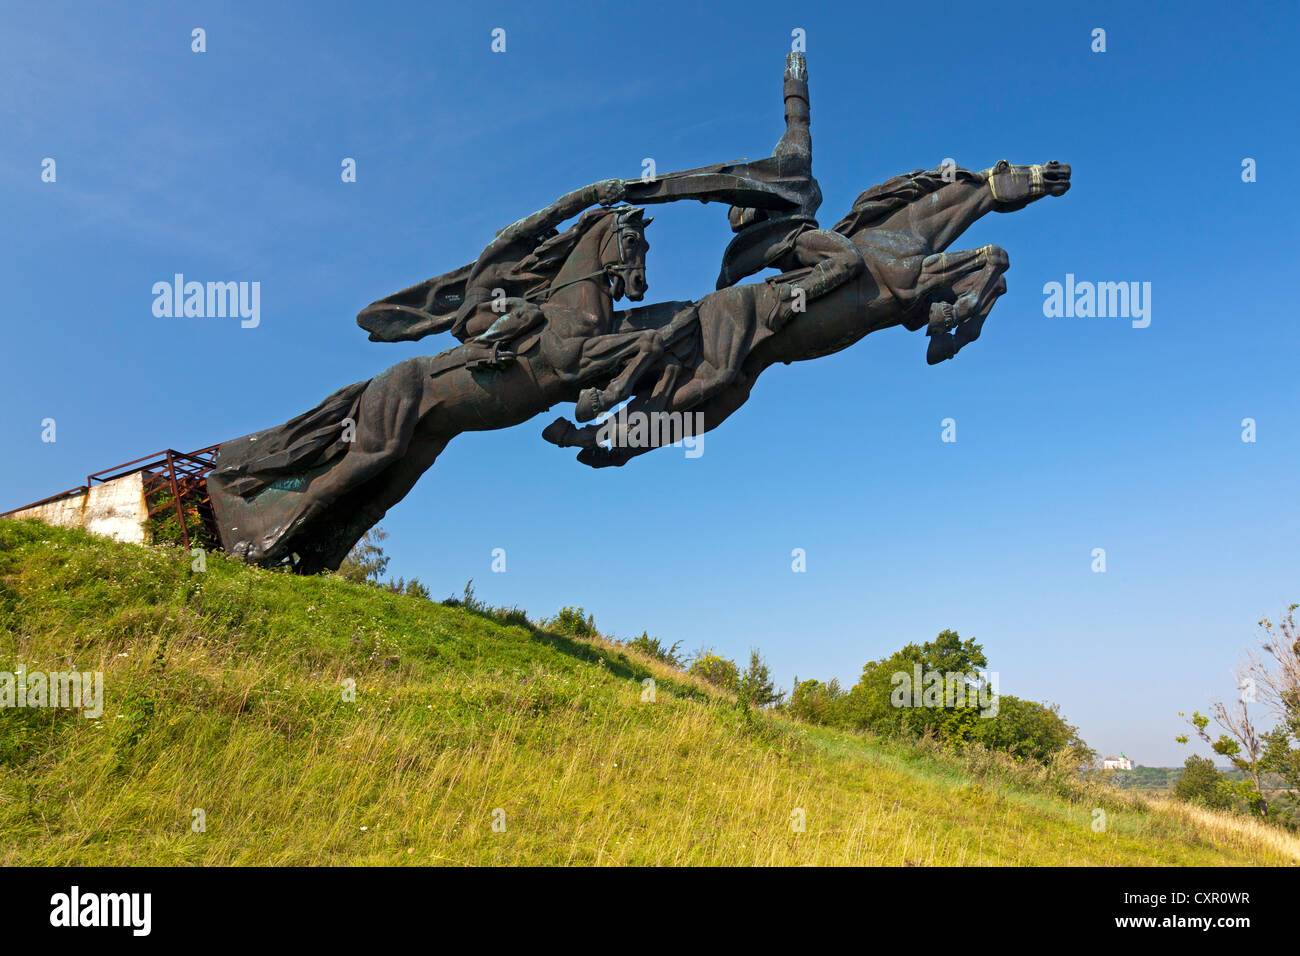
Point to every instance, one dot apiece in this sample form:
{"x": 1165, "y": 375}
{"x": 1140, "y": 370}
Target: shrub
{"x": 815, "y": 702}
{"x": 657, "y": 649}
{"x": 467, "y": 600}
{"x": 1026, "y": 728}
{"x": 366, "y": 562}
{"x": 164, "y": 525}
{"x": 510, "y": 616}
{"x": 573, "y": 621}
{"x": 717, "y": 670}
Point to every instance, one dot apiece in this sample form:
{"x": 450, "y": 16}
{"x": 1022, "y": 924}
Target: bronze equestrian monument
{"x": 537, "y": 326}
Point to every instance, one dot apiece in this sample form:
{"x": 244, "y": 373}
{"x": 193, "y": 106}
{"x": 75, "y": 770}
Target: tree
{"x": 941, "y": 688}
{"x": 1028, "y": 729}
{"x": 886, "y": 699}
{"x": 366, "y": 562}
{"x": 1272, "y": 679}
{"x": 1202, "y": 783}
{"x": 756, "y": 685}
{"x": 1241, "y": 744}
{"x": 1276, "y": 677}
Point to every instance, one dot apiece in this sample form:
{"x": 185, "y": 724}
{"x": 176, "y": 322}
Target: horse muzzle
{"x": 1055, "y": 178}
{"x": 636, "y": 285}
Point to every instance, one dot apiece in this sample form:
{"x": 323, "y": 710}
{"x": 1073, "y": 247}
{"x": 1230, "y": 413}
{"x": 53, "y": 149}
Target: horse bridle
{"x": 620, "y": 220}
{"x": 1036, "y": 185}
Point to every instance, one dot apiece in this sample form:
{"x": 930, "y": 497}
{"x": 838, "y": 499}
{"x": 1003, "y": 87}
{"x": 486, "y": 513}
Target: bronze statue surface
{"x": 535, "y": 317}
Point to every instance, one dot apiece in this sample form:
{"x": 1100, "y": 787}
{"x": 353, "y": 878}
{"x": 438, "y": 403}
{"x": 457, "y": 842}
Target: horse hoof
{"x": 943, "y": 318}
{"x": 559, "y": 432}
{"x": 601, "y": 457}
{"x": 942, "y": 347}
{"x": 588, "y": 405}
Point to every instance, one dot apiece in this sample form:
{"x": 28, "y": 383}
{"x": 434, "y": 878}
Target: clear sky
{"x": 1072, "y": 434}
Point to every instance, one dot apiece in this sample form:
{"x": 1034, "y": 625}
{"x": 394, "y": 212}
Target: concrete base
{"x": 115, "y": 509}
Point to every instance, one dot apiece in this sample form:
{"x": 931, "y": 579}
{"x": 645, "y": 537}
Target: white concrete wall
{"x": 115, "y": 509}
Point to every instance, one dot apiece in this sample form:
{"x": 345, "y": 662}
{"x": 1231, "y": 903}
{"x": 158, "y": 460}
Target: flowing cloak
{"x": 249, "y": 465}
{"x": 436, "y": 300}
{"x": 438, "y": 304}
{"x": 525, "y": 268}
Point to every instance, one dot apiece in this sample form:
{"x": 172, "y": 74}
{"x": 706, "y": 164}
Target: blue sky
{"x": 1073, "y": 434}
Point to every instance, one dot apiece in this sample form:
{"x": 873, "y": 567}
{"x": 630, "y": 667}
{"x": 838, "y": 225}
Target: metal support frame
{"x": 183, "y": 474}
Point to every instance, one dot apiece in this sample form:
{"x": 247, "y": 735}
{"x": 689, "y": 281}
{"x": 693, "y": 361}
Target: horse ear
{"x": 646, "y": 222}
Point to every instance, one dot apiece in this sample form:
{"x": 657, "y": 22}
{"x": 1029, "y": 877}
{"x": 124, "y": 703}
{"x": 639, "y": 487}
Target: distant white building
{"x": 1117, "y": 763}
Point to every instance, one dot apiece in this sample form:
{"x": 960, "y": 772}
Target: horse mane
{"x": 546, "y": 260}
{"x": 879, "y": 202}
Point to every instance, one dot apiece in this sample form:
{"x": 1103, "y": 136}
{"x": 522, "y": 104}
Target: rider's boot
{"x": 830, "y": 271}
{"x": 790, "y": 299}
{"x": 510, "y": 327}
{"x": 496, "y": 359}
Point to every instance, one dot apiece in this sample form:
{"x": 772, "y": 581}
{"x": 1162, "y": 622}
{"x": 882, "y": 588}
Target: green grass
{"x": 224, "y": 691}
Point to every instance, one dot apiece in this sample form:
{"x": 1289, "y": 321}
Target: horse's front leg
{"x": 564, "y": 433}
{"x": 708, "y": 415}
{"x": 970, "y": 327}
{"x": 963, "y": 287}
{"x": 649, "y": 348}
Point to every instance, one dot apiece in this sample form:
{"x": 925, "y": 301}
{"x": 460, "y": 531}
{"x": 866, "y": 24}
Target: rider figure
{"x": 489, "y": 318}
{"x": 790, "y": 240}
{"x": 494, "y": 300}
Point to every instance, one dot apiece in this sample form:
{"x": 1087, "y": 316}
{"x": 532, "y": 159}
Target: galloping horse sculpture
{"x": 306, "y": 491}
{"x": 902, "y": 230}
{"x": 537, "y": 324}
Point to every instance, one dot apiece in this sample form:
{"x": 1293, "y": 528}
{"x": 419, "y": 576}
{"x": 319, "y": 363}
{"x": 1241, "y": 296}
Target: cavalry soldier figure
{"x": 495, "y": 299}
{"x": 773, "y": 211}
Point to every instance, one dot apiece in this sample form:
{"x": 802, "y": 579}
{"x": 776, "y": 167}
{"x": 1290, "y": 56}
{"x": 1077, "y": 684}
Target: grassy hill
{"x": 224, "y": 692}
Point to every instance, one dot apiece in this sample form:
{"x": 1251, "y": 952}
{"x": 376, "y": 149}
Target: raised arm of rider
{"x": 570, "y": 204}
{"x": 796, "y": 138}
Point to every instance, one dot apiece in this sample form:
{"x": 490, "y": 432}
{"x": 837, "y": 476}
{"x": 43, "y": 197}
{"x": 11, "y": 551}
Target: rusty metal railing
{"x": 182, "y": 474}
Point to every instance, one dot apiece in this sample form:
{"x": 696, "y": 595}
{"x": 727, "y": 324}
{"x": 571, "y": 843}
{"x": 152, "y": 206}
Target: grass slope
{"x": 224, "y": 692}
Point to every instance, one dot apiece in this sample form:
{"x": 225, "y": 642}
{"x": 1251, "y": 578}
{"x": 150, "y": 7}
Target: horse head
{"x": 1015, "y": 187}
{"x": 623, "y": 253}
{"x": 605, "y": 245}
